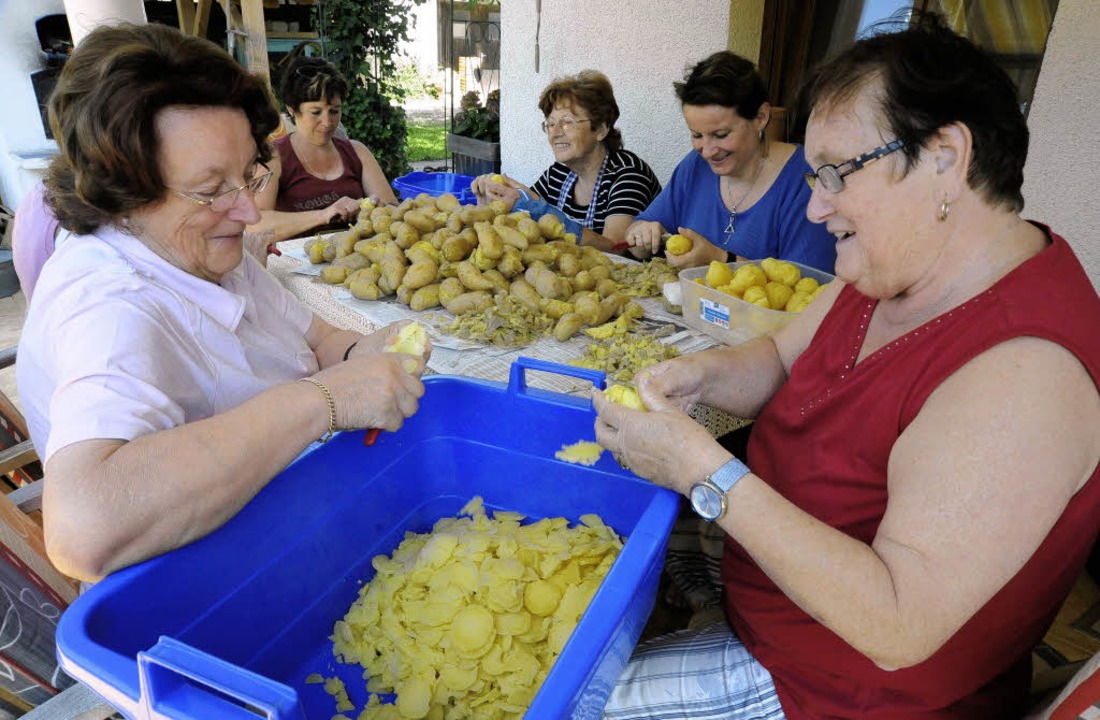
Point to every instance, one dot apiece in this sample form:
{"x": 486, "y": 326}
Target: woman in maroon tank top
{"x": 912, "y": 520}
{"x": 318, "y": 178}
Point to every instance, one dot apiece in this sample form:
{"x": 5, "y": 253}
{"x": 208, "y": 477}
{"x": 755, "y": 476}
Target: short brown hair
{"x": 591, "y": 90}
{"x": 925, "y": 76}
{"x": 311, "y": 79}
{"x": 103, "y": 115}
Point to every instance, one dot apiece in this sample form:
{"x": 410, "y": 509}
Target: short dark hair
{"x": 592, "y": 91}
{"x": 311, "y": 79}
{"x": 103, "y": 115}
{"x": 725, "y": 79}
{"x": 931, "y": 77}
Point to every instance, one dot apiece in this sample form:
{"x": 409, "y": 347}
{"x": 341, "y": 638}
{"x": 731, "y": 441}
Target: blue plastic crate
{"x": 235, "y": 622}
{"x": 435, "y": 184}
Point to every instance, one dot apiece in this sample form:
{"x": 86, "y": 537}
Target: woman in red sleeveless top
{"x": 924, "y": 483}
{"x": 318, "y": 178}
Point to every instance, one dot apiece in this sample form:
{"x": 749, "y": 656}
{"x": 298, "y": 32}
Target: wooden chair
{"x": 34, "y": 593}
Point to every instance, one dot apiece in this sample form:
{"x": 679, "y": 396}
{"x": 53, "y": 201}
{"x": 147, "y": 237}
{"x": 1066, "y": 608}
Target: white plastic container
{"x": 728, "y": 318}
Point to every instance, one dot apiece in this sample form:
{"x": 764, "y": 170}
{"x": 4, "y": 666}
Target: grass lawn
{"x": 426, "y": 142}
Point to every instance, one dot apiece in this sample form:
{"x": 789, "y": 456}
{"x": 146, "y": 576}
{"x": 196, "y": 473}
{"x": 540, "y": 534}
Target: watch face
{"x": 706, "y": 501}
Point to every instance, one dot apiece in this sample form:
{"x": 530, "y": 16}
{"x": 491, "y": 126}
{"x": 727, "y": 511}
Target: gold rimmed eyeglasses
{"x": 223, "y": 201}
{"x": 566, "y": 124}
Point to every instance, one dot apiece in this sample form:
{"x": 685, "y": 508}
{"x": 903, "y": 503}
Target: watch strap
{"x": 725, "y": 477}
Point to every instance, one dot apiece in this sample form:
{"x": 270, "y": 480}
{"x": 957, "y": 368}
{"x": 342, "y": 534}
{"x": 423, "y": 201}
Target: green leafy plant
{"x": 363, "y": 40}
{"x": 476, "y": 121}
{"x": 412, "y": 82}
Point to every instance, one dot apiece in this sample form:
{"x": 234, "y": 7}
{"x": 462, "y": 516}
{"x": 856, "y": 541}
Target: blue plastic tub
{"x": 435, "y": 184}
{"x": 234, "y": 623}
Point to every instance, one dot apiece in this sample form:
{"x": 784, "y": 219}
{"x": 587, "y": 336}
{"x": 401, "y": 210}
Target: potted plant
{"x": 474, "y": 140}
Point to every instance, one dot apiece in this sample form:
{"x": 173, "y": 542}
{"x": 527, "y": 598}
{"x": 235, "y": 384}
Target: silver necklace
{"x": 733, "y": 210}
{"x": 310, "y": 170}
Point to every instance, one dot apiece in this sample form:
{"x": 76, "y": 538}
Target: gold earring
{"x": 945, "y": 210}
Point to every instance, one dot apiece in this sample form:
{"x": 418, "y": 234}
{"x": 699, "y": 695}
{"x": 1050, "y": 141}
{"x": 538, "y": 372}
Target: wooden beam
{"x": 185, "y": 9}
{"x": 17, "y": 456}
{"x": 202, "y": 18}
{"x": 255, "y": 48}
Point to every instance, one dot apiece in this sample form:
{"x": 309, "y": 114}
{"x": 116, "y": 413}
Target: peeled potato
{"x": 411, "y": 339}
{"x": 718, "y": 274}
{"x": 625, "y": 395}
{"x": 467, "y": 621}
{"x": 677, "y": 244}
{"x": 472, "y": 629}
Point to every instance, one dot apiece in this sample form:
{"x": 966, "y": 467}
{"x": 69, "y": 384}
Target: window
{"x": 797, "y": 35}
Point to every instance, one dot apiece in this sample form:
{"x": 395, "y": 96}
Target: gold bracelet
{"x": 331, "y": 407}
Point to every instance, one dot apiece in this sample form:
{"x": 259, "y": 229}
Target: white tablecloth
{"x": 452, "y": 356}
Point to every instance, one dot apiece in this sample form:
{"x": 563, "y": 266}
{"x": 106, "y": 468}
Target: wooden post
{"x": 202, "y": 18}
{"x": 246, "y": 23}
{"x": 252, "y": 15}
{"x": 185, "y": 10}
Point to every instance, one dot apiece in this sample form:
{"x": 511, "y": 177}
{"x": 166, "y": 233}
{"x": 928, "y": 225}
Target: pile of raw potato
{"x": 433, "y": 251}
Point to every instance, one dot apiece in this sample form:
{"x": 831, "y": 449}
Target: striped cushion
{"x": 1080, "y": 699}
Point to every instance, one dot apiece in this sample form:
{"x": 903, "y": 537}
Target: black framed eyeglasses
{"x": 832, "y": 177}
{"x": 221, "y": 202}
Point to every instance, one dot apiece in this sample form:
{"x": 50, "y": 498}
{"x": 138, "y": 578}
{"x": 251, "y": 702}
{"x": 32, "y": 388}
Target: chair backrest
{"x": 33, "y": 593}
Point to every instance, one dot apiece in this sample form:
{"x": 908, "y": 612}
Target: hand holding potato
{"x": 663, "y": 444}
{"x": 379, "y": 340}
{"x": 675, "y": 383}
{"x": 374, "y": 389}
{"x": 702, "y": 251}
{"x": 490, "y": 187}
{"x": 345, "y": 209}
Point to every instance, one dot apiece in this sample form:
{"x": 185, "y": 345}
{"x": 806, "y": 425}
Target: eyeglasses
{"x": 567, "y": 124}
{"x": 832, "y": 177}
{"x": 222, "y": 202}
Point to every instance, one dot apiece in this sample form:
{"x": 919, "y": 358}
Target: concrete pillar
{"x": 85, "y": 15}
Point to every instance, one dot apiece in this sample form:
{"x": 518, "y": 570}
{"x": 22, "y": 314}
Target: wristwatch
{"x": 708, "y": 498}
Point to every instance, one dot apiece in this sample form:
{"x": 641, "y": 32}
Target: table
{"x": 335, "y": 305}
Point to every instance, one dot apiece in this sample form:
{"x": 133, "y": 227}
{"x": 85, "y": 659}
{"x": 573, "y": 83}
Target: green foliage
{"x": 363, "y": 38}
{"x": 475, "y": 121}
{"x": 412, "y": 82}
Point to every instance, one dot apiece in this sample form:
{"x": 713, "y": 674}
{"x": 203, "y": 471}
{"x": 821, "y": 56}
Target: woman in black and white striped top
{"x": 594, "y": 185}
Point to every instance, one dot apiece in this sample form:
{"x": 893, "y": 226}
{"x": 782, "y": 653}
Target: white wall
{"x": 87, "y": 15}
{"x": 641, "y": 46}
{"x": 21, "y": 131}
{"x": 423, "y": 44}
{"x": 1062, "y": 175}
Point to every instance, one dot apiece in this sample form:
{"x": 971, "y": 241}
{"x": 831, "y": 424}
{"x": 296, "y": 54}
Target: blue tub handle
{"x": 179, "y": 681}
{"x": 517, "y": 380}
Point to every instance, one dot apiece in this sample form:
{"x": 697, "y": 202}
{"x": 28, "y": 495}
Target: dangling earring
{"x": 760, "y": 135}
{"x": 945, "y": 210}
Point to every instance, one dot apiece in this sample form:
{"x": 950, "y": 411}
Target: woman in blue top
{"x": 738, "y": 195}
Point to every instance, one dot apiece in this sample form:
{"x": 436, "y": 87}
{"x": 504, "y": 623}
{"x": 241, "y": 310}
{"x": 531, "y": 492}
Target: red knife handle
{"x": 371, "y": 437}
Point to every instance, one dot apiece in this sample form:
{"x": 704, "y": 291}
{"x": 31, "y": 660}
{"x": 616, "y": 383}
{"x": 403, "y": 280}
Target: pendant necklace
{"x": 733, "y": 210}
